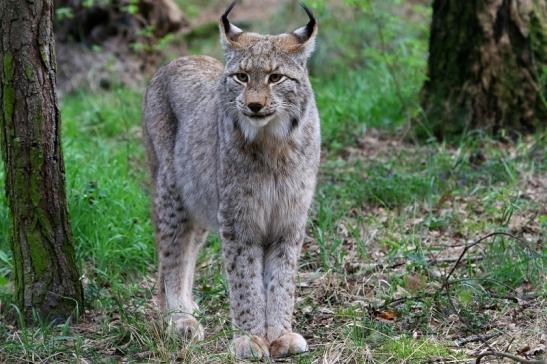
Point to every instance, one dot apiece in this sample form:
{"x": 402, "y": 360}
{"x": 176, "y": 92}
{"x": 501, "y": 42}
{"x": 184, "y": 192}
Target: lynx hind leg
{"x": 178, "y": 246}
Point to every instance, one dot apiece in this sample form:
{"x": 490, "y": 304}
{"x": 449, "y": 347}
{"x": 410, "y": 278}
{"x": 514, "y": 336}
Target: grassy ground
{"x": 379, "y": 278}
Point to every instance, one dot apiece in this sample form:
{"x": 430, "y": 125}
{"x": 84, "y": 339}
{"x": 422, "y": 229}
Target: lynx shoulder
{"x": 234, "y": 148}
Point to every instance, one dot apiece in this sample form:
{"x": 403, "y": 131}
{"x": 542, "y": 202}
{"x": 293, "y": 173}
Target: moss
{"x": 45, "y": 225}
{"x": 538, "y": 31}
{"x": 9, "y": 92}
{"x": 18, "y": 270}
{"x": 8, "y": 66}
{"x": 44, "y": 55}
{"x": 41, "y": 259}
{"x": 36, "y": 162}
{"x": 28, "y": 72}
{"x": 538, "y": 36}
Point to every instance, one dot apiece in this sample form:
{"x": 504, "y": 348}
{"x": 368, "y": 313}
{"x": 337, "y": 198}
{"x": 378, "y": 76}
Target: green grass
{"x": 107, "y": 183}
{"x": 405, "y": 349}
{"x": 369, "y": 67}
{"x": 106, "y": 186}
{"x": 386, "y": 214}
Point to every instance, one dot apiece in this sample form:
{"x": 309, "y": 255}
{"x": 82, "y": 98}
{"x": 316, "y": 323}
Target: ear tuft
{"x": 229, "y": 33}
{"x": 307, "y": 31}
{"x": 224, "y": 18}
{"x": 304, "y": 37}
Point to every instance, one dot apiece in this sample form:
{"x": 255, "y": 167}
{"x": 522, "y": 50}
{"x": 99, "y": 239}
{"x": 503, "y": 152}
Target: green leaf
{"x": 4, "y": 281}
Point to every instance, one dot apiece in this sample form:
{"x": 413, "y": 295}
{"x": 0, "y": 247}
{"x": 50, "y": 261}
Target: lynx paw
{"x": 250, "y": 347}
{"x": 288, "y": 344}
{"x": 187, "y": 327}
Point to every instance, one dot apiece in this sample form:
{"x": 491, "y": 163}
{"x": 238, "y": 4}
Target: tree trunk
{"x": 46, "y": 278}
{"x": 485, "y": 64}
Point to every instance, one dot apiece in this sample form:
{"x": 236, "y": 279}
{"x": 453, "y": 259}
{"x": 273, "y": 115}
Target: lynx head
{"x": 265, "y": 86}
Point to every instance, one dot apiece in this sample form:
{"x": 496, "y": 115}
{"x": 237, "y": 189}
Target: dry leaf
{"x": 387, "y": 315}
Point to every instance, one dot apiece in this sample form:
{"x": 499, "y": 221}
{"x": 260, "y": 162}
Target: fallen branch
{"x": 518, "y": 359}
{"x": 475, "y": 258}
{"x": 474, "y": 338}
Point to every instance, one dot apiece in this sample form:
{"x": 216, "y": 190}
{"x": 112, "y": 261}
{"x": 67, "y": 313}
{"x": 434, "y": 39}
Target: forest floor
{"x": 418, "y": 251}
{"x": 380, "y": 278}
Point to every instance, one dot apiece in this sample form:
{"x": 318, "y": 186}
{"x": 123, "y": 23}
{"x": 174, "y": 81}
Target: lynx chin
{"x": 234, "y": 148}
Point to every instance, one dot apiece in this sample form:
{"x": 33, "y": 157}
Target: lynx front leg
{"x": 178, "y": 247}
{"x": 244, "y": 265}
{"x": 281, "y": 264}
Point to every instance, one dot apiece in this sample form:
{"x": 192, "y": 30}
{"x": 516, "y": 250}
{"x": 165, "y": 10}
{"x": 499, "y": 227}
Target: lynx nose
{"x": 255, "y": 106}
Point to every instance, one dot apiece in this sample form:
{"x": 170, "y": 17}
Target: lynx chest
{"x": 269, "y": 190}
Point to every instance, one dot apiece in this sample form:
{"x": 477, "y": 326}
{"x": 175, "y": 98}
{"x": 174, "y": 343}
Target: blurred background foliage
{"x": 368, "y": 68}
{"x": 369, "y": 65}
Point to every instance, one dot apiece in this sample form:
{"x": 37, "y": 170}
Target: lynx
{"x": 234, "y": 148}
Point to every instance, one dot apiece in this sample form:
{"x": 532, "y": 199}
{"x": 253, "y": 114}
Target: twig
{"x": 446, "y": 280}
{"x": 505, "y": 297}
{"x": 469, "y": 246}
{"x": 480, "y": 338}
{"x": 446, "y": 284}
{"x": 373, "y": 268}
{"x": 518, "y": 359}
{"x": 404, "y": 299}
{"x": 446, "y": 287}
{"x": 475, "y": 258}
{"x": 474, "y": 338}
{"x": 380, "y": 266}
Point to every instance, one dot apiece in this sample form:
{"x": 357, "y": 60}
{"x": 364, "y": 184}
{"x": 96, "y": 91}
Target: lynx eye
{"x": 275, "y": 78}
{"x": 241, "y": 77}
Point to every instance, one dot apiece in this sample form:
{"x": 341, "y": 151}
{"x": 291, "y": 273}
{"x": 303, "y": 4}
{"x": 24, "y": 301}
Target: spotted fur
{"x": 234, "y": 149}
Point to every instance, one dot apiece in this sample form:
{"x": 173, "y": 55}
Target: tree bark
{"x": 46, "y": 278}
{"x": 485, "y": 64}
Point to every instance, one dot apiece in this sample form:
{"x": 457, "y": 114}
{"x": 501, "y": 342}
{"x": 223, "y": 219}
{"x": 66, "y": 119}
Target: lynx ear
{"x": 305, "y": 36}
{"x": 229, "y": 33}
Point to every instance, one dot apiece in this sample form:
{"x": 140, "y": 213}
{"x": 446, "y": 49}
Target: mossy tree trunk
{"x": 46, "y": 278}
{"x": 485, "y": 64}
